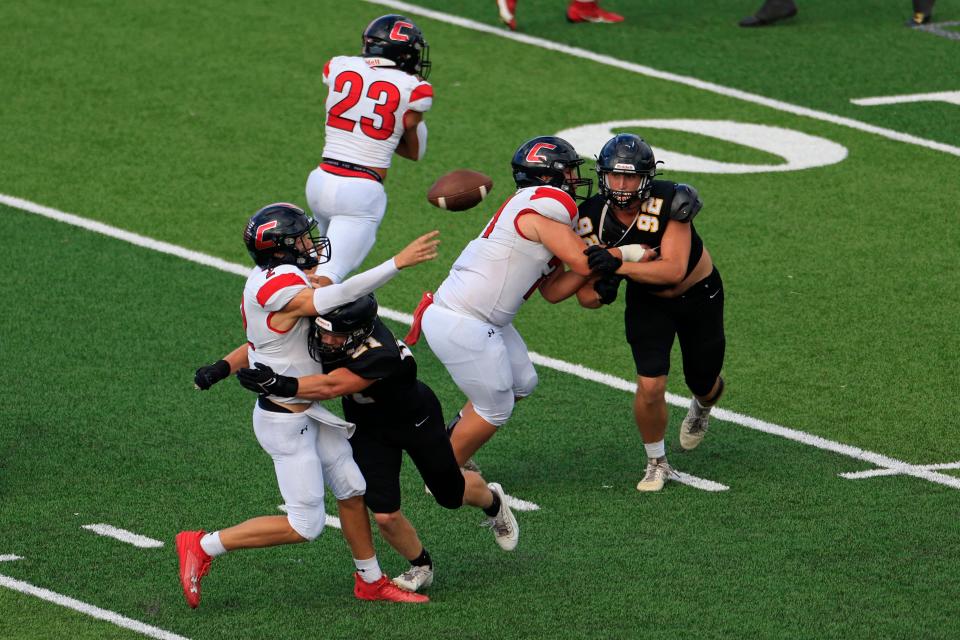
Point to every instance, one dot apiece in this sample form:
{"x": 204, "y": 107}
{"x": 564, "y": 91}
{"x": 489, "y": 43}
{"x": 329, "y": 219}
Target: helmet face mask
{"x": 626, "y": 154}
{"x": 344, "y": 329}
{"x": 549, "y": 160}
{"x": 397, "y": 38}
{"x": 281, "y": 233}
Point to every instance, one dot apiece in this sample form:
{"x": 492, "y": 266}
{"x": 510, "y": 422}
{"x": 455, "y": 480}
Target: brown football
{"x": 459, "y": 190}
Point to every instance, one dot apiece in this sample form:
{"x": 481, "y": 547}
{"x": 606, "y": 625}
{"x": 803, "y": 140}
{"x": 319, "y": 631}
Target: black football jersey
{"x": 599, "y": 225}
{"x": 395, "y": 394}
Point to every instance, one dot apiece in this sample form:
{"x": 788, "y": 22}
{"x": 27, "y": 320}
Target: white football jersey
{"x": 267, "y": 291}
{"x": 499, "y": 270}
{"x": 367, "y": 101}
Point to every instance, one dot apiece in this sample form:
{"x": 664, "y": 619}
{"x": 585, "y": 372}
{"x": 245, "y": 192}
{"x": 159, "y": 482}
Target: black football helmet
{"x": 353, "y": 322}
{"x": 272, "y": 233}
{"x": 396, "y": 38}
{"x": 544, "y": 160}
{"x": 626, "y": 153}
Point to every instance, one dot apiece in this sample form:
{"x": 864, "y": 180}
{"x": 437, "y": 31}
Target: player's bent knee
{"x": 346, "y": 481}
{"x": 526, "y": 386}
{"x": 308, "y": 523}
{"x": 497, "y": 416}
{"x": 388, "y": 521}
{"x": 651, "y": 389}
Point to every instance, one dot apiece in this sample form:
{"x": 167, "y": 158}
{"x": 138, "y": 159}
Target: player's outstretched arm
{"x": 420, "y": 250}
{"x": 209, "y": 375}
{"x": 265, "y": 381}
{"x": 313, "y": 302}
{"x": 671, "y": 268}
{"x": 561, "y": 284}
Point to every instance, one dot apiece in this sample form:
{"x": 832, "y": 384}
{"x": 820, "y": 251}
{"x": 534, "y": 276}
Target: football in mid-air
{"x": 459, "y": 190}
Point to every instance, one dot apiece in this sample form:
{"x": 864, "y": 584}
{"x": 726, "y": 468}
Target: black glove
{"x": 207, "y": 376}
{"x": 607, "y": 288}
{"x": 267, "y": 382}
{"x": 601, "y": 260}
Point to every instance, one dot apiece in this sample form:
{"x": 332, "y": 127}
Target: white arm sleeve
{"x": 335, "y": 295}
{"x": 632, "y": 252}
{"x": 421, "y": 139}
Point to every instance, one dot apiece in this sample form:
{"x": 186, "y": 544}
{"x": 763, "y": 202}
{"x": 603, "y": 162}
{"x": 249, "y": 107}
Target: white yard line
{"x": 123, "y": 535}
{"x": 560, "y": 365}
{"x": 779, "y": 105}
{"x": 88, "y": 609}
{"x": 699, "y": 483}
{"x": 9, "y": 557}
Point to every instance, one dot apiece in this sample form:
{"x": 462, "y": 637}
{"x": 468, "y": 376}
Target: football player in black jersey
{"x": 673, "y": 289}
{"x": 375, "y": 376}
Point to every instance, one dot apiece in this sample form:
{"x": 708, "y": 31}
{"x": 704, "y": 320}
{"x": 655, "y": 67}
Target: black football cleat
{"x": 771, "y": 11}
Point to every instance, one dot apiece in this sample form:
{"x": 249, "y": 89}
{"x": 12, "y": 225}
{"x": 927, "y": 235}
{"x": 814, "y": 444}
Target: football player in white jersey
{"x": 308, "y": 444}
{"x": 374, "y": 109}
{"x": 468, "y": 320}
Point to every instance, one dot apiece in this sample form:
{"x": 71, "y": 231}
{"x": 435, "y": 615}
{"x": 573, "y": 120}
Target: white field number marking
{"x": 799, "y": 150}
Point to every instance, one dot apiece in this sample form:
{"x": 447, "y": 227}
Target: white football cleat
{"x": 415, "y": 578}
{"x": 657, "y": 473}
{"x": 506, "y": 531}
{"x": 694, "y": 426}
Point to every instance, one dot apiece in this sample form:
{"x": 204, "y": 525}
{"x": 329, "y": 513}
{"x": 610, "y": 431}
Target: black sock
{"x": 422, "y": 560}
{"x": 494, "y": 507}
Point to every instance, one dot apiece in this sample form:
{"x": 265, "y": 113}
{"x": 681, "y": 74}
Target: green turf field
{"x": 176, "y": 121}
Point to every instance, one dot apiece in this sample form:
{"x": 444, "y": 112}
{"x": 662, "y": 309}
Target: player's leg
{"x": 379, "y": 461}
{"x": 702, "y": 344}
{"x": 508, "y": 13}
{"x": 351, "y": 209}
{"x": 300, "y": 479}
{"x": 474, "y": 354}
{"x": 432, "y": 453}
{"x": 590, "y": 11}
{"x": 650, "y": 333}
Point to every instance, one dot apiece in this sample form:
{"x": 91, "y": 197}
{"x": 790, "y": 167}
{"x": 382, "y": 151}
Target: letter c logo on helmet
{"x": 262, "y": 229}
{"x": 534, "y": 154}
{"x": 397, "y": 34}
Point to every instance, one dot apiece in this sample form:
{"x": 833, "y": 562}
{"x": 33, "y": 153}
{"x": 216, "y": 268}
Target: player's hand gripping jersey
{"x": 366, "y": 105}
{"x": 499, "y": 270}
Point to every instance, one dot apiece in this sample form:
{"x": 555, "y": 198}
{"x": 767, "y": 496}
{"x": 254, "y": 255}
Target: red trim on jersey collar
{"x": 560, "y": 196}
{"x": 276, "y": 283}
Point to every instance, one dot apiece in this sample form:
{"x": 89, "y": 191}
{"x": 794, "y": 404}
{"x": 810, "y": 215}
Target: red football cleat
{"x": 590, "y": 12}
{"x": 194, "y": 564}
{"x": 383, "y": 589}
{"x": 508, "y": 13}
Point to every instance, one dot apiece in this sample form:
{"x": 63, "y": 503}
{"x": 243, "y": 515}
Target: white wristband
{"x": 632, "y": 252}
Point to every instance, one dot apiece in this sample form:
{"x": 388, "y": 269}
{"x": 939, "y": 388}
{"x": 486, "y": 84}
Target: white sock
{"x": 655, "y": 449}
{"x": 368, "y": 569}
{"x": 211, "y": 544}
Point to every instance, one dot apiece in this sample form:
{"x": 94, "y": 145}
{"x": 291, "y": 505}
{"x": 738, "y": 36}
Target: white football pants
{"x": 305, "y": 453}
{"x": 348, "y": 211}
{"x": 490, "y": 364}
